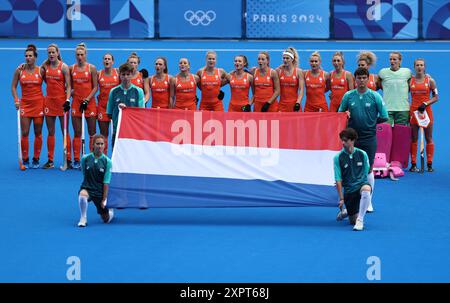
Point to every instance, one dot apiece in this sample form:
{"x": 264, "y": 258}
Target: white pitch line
{"x": 240, "y": 50}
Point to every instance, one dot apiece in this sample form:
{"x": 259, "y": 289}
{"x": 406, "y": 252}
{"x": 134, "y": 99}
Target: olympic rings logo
{"x": 199, "y": 17}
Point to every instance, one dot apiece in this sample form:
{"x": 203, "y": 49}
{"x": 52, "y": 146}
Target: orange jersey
{"x": 160, "y": 92}
{"x": 288, "y": 90}
{"x": 339, "y": 86}
{"x": 420, "y": 92}
{"x": 56, "y": 90}
{"x": 185, "y": 93}
{"x": 239, "y": 90}
{"x": 105, "y": 84}
{"x": 82, "y": 87}
{"x": 372, "y": 84}
{"x": 315, "y": 92}
{"x": 138, "y": 80}
{"x": 32, "y": 102}
{"x": 210, "y": 86}
{"x": 263, "y": 86}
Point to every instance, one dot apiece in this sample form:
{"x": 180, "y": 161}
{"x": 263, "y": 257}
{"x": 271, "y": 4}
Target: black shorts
{"x": 97, "y": 202}
{"x": 351, "y": 201}
{"x": 370, "y": 147}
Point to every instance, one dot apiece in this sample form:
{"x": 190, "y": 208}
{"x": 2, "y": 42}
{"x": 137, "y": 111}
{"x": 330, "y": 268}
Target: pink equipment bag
{"x": 401, "y": 144}
{"x": 384, "y": 140}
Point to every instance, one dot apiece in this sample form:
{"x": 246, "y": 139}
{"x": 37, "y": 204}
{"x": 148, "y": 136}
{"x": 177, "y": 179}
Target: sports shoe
{"x": 430, "y": 168}
{"x": 83, "y": 222}
{"x": 414, "y": 168}
{"x": 342, "y": 214}
{"x": 359, "y": 225}
{"x": 76, "y": 164}
{"x": 35, "y": 163}
{"x": 107, "y": 217}
{"x": 26, "y": 163}
{"x": 69, "y": 164}
{"x": 370, "y": 208}
{"x": 111, "y": 215}
{"x": 48, "y": 165}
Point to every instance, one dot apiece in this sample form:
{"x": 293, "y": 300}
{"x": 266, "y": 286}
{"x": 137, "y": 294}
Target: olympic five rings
{"x": 199, "y": 17}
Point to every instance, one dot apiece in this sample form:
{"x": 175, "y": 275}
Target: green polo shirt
{"x": 131, "y": 97}
{"x": 96, "y": 172}
{"x": 364, "y": 110}
{"x": 351, "y": 169}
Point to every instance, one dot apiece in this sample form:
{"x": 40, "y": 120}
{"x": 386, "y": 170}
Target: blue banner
{"x": 376, "y": 19}
{"x": 34, "y": 18}
{"x": 288, "y": 19}
{"x": 436, "y": 19}
{"x": 200, "y": 19}
{"x": 113, "y": 19}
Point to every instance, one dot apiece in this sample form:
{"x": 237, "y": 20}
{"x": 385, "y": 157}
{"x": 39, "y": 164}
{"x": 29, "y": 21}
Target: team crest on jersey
{"x": 91, "y": 114}
{"x": 307, "y": 78}
{"x": 23, "y": 76}
{"x": 294, "y": 77}
{"x": 320, "y": 79}
{"x": 359, "y": 163}
{"x": 115, "y": 78}
{"x": 36, "y": 75}
{"x": 102, "y": 170}
{"x": 165, "y": 82}
{"x": 232, "y": 82}
{"x": 102, "y": 79}
{"x": 41, "y": 113}
{"x": 192, "y": 83}
{"x": 217, "y": 77}
{"x": 256, "y": 78}
{"x": 138, "y": 80}
{"x": 204, "y": 77}
{"x": 413, "y": 86}
{"x": 74, "y": 73}
{"x": 59, "y": 71}
{"x": 367, "y": 104}
{"x": 282, "y": 78}
{"x": 132, "y": 100}
{"x": 426, "y": 84}
{"x": 342, "y": 80}
{"x": 267, "y": 78}
{"x": 245, "y": 80}
{"x": 86, "y": 73}
{"x": 179, "y": 85}
{"x": 153, "y": 84}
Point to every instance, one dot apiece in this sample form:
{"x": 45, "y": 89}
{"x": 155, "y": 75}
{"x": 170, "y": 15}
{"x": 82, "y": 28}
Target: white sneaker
{"x": 111, "y": 215}
{"x": 83, "y": 222}
{"x": 370, "y": 208}
{"x": 342, "y": 214}
{"x": 359, "y": 225}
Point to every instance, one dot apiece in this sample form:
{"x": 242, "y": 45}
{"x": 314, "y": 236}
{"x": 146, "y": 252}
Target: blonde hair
{"x": 134, "y": 55}
{"x": 367, "y": 56}
{"x": 294, "y": 52}
{"x": 340, "y": 54}
{"x": 81, "y": 46}
{"x": 211, "y": 53}
{"x": 316, "y": 54}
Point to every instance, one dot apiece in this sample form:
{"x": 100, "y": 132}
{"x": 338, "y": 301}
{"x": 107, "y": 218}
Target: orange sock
{"x": 106, "y": 146}
{"x": 69, "y": 145}
{"x": 414, "y": 146}
{"x": 51, "y": 147}
{"x": 25, "y": 147}
{"x": 37, "y": 146}
{"x": 76, "y": 148}
{"x": 430, "y": 152}
{"x": 91, "y": 143}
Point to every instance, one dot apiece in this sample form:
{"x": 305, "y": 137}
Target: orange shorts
{"x": 32, "y": 108}
{"x": 215, "y": 107}
{"x": 272, "y": 108}
{"x": 91, "y": 110}
{"x": 316, "y": 107}
{"x": 192, "y": 106}
{"x": 54, "y": 106}
{"x": 288, "y": 106}
{"x": 413, "y": 119}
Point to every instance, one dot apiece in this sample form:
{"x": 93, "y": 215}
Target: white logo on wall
{"x": 200, "y": 17}
{"x": 73, "y": 9}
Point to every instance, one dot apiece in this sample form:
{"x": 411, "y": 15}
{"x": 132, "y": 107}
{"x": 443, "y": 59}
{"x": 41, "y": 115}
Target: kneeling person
{"x": 96, "y": 169}
{"x": 351, "y": 166}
